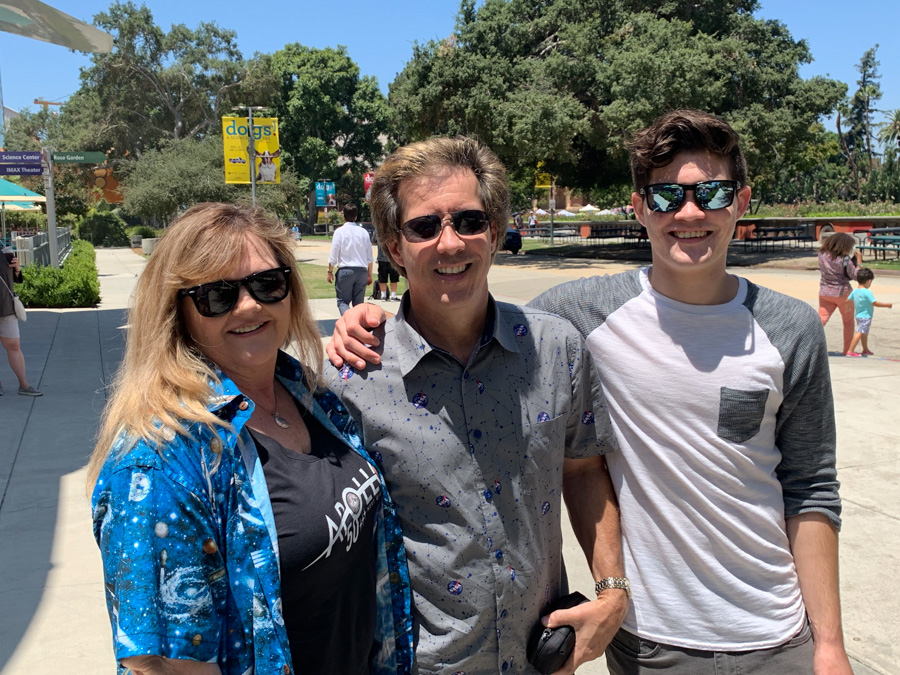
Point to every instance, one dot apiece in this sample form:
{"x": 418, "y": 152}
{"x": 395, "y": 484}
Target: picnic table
{"x": 624, "y": 231}
{"x": 779, "y": 233}
{"x": 544, "y": 232}
{"x": 882, "y": 244}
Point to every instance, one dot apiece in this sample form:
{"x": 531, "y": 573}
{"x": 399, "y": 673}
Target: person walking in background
{"x": 837, "y": 268}
{"x": 864, "y": 303}
{"x": 351, "y": 253}
{"x": 11, "y": 272}
{"x": 387, "y": 271}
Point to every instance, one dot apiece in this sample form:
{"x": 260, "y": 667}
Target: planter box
{"x": 147, "y": 245}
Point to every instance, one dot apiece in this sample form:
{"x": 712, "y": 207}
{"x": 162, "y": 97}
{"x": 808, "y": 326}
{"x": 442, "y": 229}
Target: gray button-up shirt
{"x": 473, "y": 458}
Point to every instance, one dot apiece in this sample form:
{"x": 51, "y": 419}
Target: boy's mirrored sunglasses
{"x": 710, "y": 195}
{"x": 219, "y": 297}
{"x": 425, "y": 228}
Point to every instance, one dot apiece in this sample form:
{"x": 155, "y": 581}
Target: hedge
{"x": 103, "y": 228}
{"x": 75, "y": 284}
{"x": 144, "y": 231}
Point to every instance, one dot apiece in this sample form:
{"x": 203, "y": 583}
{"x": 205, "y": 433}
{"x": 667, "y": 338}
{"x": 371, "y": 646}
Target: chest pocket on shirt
{"x": 545, "y": 442}
{"x": 741, "y": 413}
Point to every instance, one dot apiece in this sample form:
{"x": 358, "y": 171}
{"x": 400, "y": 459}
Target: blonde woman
{"x": 242, "y": 526}
{"x": 837, "y": 267}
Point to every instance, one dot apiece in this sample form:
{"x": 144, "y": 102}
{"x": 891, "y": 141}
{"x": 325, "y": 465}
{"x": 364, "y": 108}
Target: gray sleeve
{"x": 805, "y": 430}
{"x": 588, "y": 429}
{"x": 585, "y": 303}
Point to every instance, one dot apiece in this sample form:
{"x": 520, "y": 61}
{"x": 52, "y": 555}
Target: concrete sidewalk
{"x": 52, "y": 609}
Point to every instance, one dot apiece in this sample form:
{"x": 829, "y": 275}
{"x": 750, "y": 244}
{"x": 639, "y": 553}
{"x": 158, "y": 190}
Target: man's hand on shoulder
{"x": 595, "y": 624}
{"x": 352, "y": 337}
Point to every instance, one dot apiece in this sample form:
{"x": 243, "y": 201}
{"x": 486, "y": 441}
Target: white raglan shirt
{"x": 696, "y": 395}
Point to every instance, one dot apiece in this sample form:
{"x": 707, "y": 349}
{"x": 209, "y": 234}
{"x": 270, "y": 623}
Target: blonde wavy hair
{"x": 163, "y": 383}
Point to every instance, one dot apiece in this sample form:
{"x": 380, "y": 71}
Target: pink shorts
{"x": 9, "y": 326}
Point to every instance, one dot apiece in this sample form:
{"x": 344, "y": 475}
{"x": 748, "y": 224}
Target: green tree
{"x": 569, "y": 81}
{"x": 103, "y": 226}
{"x": 35, "y": 130}
{"x": 168, "y": 180}
{"x": 889, "y": 133}
{"x": 329, "y": 115}
{"x": 856, "y": 140}
{"x": 156, "y": 85}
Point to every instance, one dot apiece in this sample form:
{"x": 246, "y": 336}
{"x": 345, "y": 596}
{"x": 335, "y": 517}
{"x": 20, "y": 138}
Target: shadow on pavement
{"x": 69, "y": 357}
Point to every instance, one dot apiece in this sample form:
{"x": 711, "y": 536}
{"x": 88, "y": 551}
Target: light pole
{"x": 251, "y": 145}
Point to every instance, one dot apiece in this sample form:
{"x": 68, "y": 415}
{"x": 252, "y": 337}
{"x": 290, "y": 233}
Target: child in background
{"x": 865, "y": 303}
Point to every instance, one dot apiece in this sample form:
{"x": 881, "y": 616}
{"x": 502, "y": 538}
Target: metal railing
{"x": 36, "y": 250}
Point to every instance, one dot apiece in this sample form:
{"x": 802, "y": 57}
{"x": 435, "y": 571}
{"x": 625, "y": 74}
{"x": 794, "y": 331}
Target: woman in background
{"x": 837, "y": 268}
{"x": 10, "y": 273}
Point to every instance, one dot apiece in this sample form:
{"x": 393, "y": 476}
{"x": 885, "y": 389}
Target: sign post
{"x": 245, "y": 140}
{"x": 51, "y": 205}
{"x": 78, "y": 157}
{"x": 368, "y": 179}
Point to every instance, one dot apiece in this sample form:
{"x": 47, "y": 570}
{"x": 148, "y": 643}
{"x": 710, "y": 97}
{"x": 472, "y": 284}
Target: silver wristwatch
{"x": 613, "y": 582}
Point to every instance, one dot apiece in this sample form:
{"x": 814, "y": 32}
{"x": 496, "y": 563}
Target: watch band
{"x": 613, "y": 582}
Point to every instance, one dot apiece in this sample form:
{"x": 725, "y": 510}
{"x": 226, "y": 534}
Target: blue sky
{"x": 379, "y": 35}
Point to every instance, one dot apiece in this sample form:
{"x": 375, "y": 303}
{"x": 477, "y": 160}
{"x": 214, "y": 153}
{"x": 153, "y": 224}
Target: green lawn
{"x": 317, "y": 287}
{"x": 882, "y": 264}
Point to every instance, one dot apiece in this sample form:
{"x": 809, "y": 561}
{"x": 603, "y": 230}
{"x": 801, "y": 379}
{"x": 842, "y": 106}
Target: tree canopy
{"x": 568, "y": 82}
{"x": 559, "y": 83}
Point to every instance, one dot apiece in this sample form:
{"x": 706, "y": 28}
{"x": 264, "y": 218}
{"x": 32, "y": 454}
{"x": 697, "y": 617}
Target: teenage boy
{"x": 487, "y": 415}
{"x": 720, "y": 399}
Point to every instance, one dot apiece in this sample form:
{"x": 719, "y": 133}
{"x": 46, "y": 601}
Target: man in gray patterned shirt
{"x": 483, "y": 416}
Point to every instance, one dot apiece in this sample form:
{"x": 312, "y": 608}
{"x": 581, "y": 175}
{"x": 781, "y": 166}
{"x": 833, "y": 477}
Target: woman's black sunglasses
{"x": 219, "y": 297}
{"x": 710, "y": 195}
{"x": 426, "y": 228}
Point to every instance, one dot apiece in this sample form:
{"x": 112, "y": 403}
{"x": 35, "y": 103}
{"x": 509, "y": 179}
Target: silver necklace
{"x": 279, "y": 420}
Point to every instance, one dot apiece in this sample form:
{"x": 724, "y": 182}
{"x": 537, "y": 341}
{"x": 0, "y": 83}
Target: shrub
{"x": 144, "y": 231}
{"x": 75, "y": 284}
{"x": 103, "y": 228}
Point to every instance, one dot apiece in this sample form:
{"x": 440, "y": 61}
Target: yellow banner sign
{"x": 542, "y": 180}
{"x": 236, "y": 139}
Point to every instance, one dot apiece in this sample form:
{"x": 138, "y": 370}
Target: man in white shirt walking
{"x": 351, "y": 253}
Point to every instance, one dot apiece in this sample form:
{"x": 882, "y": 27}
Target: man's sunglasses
{"x": 710, "y": 195}
{"x": 426, "y": 228}
{"x": 219, "y": 297}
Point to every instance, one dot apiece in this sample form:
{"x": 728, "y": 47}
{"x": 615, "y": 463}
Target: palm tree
{"x": 889, "y": 132}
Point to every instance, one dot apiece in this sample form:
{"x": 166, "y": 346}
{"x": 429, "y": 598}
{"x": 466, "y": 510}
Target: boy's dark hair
{"x": 864, "y": 275}
{"x": 684, "y": 131}
{"x": 350, "y": 213}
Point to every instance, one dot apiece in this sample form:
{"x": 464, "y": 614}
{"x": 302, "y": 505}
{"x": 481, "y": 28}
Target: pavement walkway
{"x": 52, "y": 610}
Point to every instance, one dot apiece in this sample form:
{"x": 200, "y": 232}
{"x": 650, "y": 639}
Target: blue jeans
{"x": 628, "y": 654}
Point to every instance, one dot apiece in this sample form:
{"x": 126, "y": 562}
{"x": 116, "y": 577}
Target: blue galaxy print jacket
{"x": 190, "y": 553}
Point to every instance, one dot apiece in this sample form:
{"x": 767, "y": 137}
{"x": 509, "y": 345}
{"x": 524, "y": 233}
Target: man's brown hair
{"x": 684, "y": 131}
{"x": 433, "y": 159}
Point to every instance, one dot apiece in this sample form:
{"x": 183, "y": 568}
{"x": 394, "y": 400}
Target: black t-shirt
{"x": 324, "y": 507}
